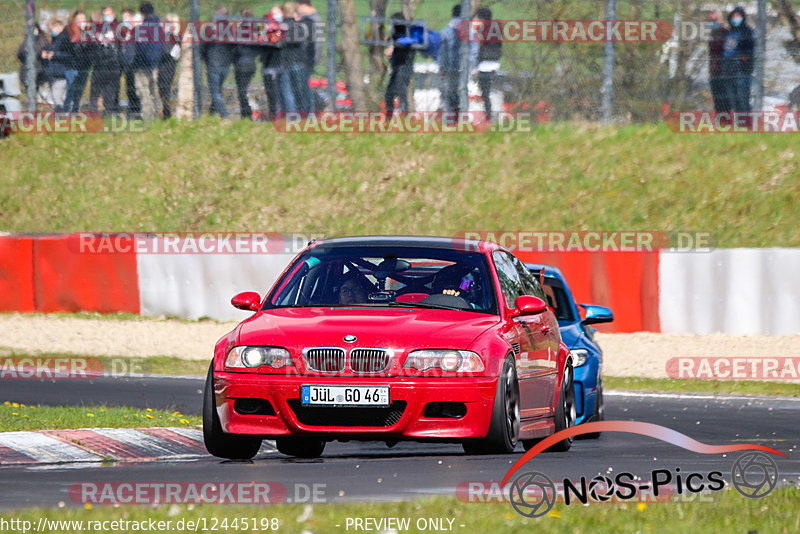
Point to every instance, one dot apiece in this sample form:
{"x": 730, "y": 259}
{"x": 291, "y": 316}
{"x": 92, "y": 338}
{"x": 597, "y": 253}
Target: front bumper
{"x": 405, "y": 419}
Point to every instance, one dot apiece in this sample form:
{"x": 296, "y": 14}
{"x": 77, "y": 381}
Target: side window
{"x": 530, "y": 282}
{"x": 510, "y": 280}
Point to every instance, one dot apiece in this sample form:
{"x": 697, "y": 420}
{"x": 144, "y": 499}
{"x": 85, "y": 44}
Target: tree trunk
{"x": 377, "y": 64}
{"x": 351, "y": 54}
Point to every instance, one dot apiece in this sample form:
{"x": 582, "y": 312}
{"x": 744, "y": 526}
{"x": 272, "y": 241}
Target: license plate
{"x": 312, "y": 395}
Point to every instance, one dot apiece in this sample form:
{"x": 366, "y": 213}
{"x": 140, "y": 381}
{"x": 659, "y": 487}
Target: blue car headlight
{"x": 579, "y": 357}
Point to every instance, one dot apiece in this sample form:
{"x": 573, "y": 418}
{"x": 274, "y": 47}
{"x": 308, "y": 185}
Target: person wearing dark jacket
{"x": 244, "y": 64}
{"x": 715, "y": 45}
{"x": 218, "y": 57}
{"x": 107, "y": 68}
{"x": 294, "y": 84}
{"x": 59, "y": 59}
{"x": 737, "y": 61}
{"x": 127, "y": 54}
{"x": 146, "y": 59}
{"x": 271, "y": 60}
{"x": 170, "y": 55}
{"x": 402, "y": 64}
{"x": 311, "y": 18}
{"x": 82, "y": 49}
{"x": 488, "y": 61}
{"x": 41, "y": 47}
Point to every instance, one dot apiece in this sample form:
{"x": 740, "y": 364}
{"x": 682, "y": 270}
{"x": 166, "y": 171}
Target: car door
{"x": 549, "y": 328}
{"x": 529, "y": 339}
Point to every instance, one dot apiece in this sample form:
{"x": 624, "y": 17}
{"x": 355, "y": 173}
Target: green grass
{"x": 212, "y": 175}
{"x": 731, "y": 513}
{"x": 754, "y": 387}
{"x": 17, "y": 416}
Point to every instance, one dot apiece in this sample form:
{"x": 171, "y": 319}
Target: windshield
{"x": 557, "y": 299}
{"x": 387, "y": 276}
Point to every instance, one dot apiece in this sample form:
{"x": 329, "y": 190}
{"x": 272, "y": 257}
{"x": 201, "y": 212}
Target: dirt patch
{"x": 641, "y": 354}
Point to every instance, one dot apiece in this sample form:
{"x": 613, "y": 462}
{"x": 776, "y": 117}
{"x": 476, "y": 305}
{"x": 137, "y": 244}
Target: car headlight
{"x": 579, "y": 357}
{"x": 249, "y": 356}
{"x": 446, "y": 360}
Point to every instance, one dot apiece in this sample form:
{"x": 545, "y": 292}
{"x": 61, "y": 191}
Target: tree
{"x": 351, "y": 55}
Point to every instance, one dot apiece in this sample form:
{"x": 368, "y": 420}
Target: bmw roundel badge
{"x": 349, "y": 338}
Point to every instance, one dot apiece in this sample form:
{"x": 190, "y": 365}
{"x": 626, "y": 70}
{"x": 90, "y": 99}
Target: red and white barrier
{"x": 735, "y": 291}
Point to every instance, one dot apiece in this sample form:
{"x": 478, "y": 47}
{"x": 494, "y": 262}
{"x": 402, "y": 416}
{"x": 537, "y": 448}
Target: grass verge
{"x": 15, "y": 416}
{"x": 207, "y": 176}
{"x": 119, "y": 366}
{"x": 729, "y": 513}
{"x": 783, "y": 389}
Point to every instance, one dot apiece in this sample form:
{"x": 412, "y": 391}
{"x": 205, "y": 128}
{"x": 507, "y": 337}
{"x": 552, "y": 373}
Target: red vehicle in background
{"x": 392, "y": 338}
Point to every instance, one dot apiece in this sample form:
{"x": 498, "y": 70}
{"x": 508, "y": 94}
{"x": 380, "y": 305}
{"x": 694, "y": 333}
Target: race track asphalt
{"x": 372, "y": 471}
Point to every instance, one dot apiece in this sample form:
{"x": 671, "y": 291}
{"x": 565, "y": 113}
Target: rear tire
{"x": 301, "y": 447}
{"x": 565, "y": 411}
{"x": 504, "y": 428}
{"x": 218, "y": 443}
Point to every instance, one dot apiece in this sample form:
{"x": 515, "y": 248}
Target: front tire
{"x": 599, "y": 411}
{"x": 504, "y": 428}
{"x": 218, "y": 443}
{"x": 565, "y": 411}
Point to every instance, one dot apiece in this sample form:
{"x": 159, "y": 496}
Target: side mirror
{"x": 597, "y": 314}
{"x": 247, "y": 301}
{"x": 528, "y": 305}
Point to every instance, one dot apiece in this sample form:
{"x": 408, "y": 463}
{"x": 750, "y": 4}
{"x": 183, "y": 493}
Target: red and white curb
{"x": 98, "y": 445}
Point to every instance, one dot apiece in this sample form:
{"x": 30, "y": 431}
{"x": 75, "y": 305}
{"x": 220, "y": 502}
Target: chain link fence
{"x": 287, "y": 64}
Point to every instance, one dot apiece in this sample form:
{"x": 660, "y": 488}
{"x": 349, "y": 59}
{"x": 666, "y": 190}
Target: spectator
{"x": 127, "y": 55}
{"x": 81, "y": 50}
{"x": 170, "y": 55}
{"x": 218, "y": 57}
{"x": 402, "y": 63}
{"x": 244, "y": 66}
{"x": 715, "y": 46}
{"x": 313, "y": 46}
{"x": 450, "y": 60}
{"x": 41, "y": 48}
{"x": 107, "y": 69}
{"x": 271, "y": 60}
{"x": 294, "y": 84}
{"x": 489, "y": 54}
{"x": 146, "y": 59}
{"x": 59, "y": 61}
{"x": 738, "y": 61}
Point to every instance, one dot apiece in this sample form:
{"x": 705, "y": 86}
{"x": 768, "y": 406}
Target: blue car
{"x": 578, "y": 335}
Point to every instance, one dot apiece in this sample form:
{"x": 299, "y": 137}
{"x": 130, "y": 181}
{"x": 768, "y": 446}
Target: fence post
{"x": 197, "y": 79}
{"x": 761, "y": 56}
{"x": 30, "y": 56}
{"x": 607, "y": 89}
{"x": 331, "y": 53}
{"x": 463, "y": 78}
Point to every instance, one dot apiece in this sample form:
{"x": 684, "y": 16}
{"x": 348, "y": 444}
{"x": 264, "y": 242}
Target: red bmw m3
{"x": 391, "y": 338}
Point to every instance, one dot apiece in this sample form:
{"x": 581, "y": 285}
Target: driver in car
{"x": 352, "y": 290}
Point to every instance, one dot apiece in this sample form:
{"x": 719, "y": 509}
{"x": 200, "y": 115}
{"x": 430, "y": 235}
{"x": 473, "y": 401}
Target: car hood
{"x": 402, "y": 328}
{"x": 570, "y": 334}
